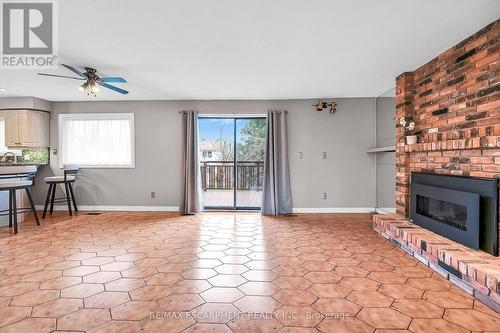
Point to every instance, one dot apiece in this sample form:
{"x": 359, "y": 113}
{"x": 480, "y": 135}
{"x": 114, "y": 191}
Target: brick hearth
{"x": 475, "y": 271}
{"x": 457, "y": 93}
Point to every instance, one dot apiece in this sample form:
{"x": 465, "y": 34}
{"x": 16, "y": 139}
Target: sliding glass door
{"x": 232, "y": 161}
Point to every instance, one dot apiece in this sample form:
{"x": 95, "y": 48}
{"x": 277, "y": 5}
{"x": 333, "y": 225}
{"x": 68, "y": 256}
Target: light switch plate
{"x": 324, "y": 155}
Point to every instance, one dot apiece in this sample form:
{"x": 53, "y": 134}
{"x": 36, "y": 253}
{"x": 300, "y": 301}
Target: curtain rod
{"x": 229, "y": 114}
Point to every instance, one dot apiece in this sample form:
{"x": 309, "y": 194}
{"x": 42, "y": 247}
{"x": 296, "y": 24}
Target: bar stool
{"x": 67, "y": 179}
{"x": 17, "y": 178}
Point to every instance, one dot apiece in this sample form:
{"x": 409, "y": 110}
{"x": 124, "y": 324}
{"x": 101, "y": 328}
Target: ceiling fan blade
{"x": 73, "y": 69}
{"x": 62, "y": 76}
{"x": 119, "y": 90}
{"x": 113, "y": 79}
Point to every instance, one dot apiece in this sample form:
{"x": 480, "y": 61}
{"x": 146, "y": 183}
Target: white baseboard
{"x": 386, "y": 210}
{"x": 118, "y": 208}
{"x": 326, "y": 210}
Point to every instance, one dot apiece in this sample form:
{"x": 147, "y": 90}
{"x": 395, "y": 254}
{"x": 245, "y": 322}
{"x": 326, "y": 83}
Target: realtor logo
{"x": 29, "y": 38}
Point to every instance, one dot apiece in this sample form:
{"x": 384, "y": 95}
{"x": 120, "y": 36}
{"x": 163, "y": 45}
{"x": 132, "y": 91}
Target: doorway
{"x": 232, "y": 161}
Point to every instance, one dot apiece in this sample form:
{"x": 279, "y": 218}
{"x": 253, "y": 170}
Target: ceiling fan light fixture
{"x": 94, "y": 89}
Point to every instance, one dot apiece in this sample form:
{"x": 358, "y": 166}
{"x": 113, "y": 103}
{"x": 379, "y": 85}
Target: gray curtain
{"x": 190, "y": 196}
{"x": 276, "y": 195}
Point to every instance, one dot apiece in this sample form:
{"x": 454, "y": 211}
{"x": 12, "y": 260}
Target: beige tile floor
{"x": 158, "y": 272}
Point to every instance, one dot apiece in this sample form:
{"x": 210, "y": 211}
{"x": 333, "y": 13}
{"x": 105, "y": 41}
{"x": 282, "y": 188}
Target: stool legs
{"x": 68, "y": 199}
{"x": 52, "y": 198}
{"x": 47, "y": 199}
{"x": 73, "y": 196}
{"x": 14, "y": 209}
{"x": 33, "y": 210}
{"x": 10, "y": 209}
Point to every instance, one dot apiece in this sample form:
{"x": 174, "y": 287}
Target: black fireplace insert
{"x": 464, "y": 209}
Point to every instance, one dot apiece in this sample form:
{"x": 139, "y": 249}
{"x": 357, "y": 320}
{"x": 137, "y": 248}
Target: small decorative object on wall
{"x": 409, "y": 125}
{"x": 321, "y": 105}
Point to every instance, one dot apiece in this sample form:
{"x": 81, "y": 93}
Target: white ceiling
{"x": 250, "y": 49}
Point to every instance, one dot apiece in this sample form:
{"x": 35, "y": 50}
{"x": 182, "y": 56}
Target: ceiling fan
{"x": 92, "y": 80}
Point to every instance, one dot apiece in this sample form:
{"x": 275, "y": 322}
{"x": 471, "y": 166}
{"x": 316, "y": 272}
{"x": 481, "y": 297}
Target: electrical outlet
{"x": 153, "y": 195}
{"x": 54, "y": 151}
{"x": 26, "y": 157}
{"x": 301, "y": 155}
{"x": 433, "y": 130}
{"x": 324, "y": 155}
{"x": 325, "y": 196}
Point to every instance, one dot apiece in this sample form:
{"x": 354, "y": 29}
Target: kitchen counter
{"x": 20, "y": 163}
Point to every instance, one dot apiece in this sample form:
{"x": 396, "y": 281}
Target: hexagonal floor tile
{"x": 118, "y": 326}
{"x": 208, "y": 328}
{"x": 448, "y": 299}
{"x": 39, "y": 325}
{"x": 83, "y": 320}
{"x": 101, "y": 277}
{"x": 294, "y": 297}
{"x": 34, "y": 297}
{"x": 106, "y": 299}
{"x": 298, "y": 316}
{"x": 370, "y": 298}
{"x": 139, "y": 272}
{"x": 222, "y": 295}
{"x": 180, "y": 302}
{"x": 435, "y": 325}
{"x": 231, "y": 269}
{"x": 396, "y": 290}
{"x": 329, "y": 290}
{"x": 257, "y": 304}
{"x": 82, "y": 290}
{"x": 384, "y": 318}
{"x": 124, "y": 284}
{"x": 215, "y": 313}
{"x": 227, "y": 280}
{"x": 333, "y": 306}
{"x": 134, "y": 310}
{"x": 170, "y": 324}
{"x": 254, "y": 325}
{"x": 12, "y": 314}
{"x": 344, "y": 325}
{"x": 472, "y": 319}
{"x": 292, "y": 282}
{"x": 259, "y": 288}
{"x": 323, "y": 277}
{"x": 418, "y": 308}
{"x": 199, "y": 273}
{"x": 163, "y": 279}
{"x": 57, "y": 307}
{"x": 428, "y": 284}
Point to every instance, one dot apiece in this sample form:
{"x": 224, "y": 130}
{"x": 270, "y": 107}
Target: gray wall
{"x": 347, "y": 175}
{"x": 386, "y": 166}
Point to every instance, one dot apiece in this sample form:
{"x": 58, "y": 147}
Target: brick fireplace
{"x": 456, "y": 94}
{"x": 455, "y": 102}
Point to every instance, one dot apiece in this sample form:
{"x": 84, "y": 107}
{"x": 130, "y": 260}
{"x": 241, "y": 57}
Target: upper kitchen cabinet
{"x": 26, "y": 128}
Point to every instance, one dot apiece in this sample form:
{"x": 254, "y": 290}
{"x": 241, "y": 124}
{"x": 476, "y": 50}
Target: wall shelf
{"x": 381, "y": 149}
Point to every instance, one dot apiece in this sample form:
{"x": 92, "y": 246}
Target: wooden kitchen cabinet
{"x": 26, "y": 128}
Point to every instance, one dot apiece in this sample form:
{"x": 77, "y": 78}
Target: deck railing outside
{"x": 219, "y": 175}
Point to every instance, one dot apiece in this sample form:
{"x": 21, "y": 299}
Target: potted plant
{"x": 409, "y": 125}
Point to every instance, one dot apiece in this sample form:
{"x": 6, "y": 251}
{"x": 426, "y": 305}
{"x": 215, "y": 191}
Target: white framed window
{"x": 97, "y": 140}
